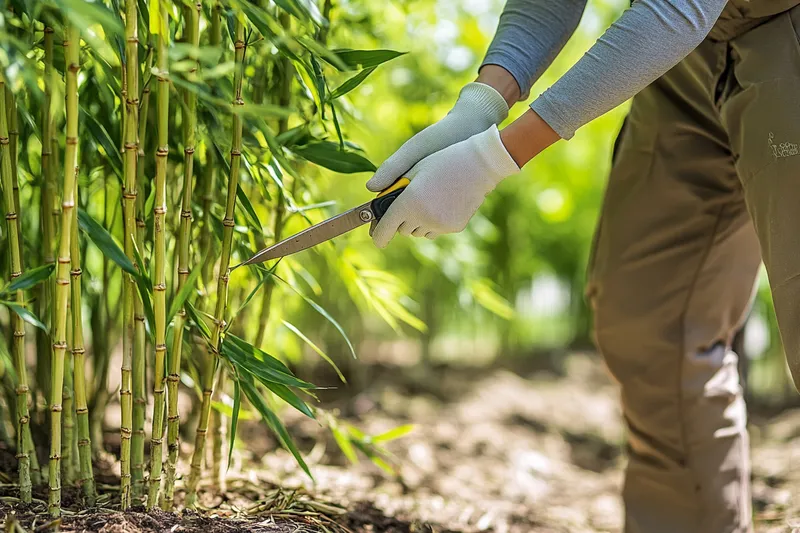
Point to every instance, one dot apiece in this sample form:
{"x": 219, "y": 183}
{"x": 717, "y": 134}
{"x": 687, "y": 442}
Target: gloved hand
{"x": 478, "y": 107}
{"x": 447, "y": 188}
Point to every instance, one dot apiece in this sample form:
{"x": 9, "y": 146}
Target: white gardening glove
{"x": 478, "y": 107}
{"x": 447, "y": 188}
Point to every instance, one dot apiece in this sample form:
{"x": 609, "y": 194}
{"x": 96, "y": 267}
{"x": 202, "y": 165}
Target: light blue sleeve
{"x": 529, "y": 36}
{"x": 648, "y": 39}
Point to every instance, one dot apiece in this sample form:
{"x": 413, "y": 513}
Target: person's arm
{"x": 530, "y": 34}
{"x": 648, "y": 39}
{"x": 448, "y": 186}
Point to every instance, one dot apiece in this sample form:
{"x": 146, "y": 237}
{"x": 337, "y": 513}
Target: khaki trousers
{"x": 705, "y": 185}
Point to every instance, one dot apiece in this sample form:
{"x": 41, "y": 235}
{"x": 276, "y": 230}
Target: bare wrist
{"x": 527, "y": 136}
{"x": 502, "y": 81}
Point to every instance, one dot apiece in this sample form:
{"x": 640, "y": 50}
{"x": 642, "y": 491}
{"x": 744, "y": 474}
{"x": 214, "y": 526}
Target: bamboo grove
{"x": 146, "y": 147}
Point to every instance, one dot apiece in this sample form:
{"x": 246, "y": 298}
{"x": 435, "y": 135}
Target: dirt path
{"x": 492, "y": 451}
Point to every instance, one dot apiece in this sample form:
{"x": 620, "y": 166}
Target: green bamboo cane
{"x": 18, "y": 348}
{"x": 71, "y": 53}
{"x": 129, "y": 200}
{"x": 210, "y": 173}
{"x": 160, "y": 252}
{"x": 222, "y": 283}
{"x": 68, "y": 465}
{"x": 192, "y": 33}
{"x": 140, "y": 339}
{"x": 86, "y": 478}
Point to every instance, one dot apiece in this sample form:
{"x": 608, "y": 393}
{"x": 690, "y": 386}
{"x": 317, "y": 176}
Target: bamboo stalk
{"x": 18, "y": 326}
{"x": 160, "y": 252}
{"x": 68, "y": 465}
{"x": 222, "y": 283}
{"x": 129, "y": 200}
{"x": 71, "y": 53}
{"x": 86, "y": 478}
{"x": 139, "y": 334}
{"x": 192, "y": 33}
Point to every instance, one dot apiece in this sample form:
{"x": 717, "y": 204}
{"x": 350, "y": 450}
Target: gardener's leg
{"x": 673, "y": 269}
{"x": 763, "y": 119}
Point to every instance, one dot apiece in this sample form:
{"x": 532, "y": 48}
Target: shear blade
{"x": 316, "y": 234}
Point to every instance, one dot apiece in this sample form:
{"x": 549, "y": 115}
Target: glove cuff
{"x": 493, "y": 154}
{"x": 485, "y": 100}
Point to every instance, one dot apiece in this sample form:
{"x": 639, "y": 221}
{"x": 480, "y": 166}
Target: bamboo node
{"x": 162, "y": 151}
{"x": 186, "y": 213}
{"x": 228, "y": 222}
{"x": 173, "y": 419}
{"x": 82, "y": 410}
{"x": 159, "y": 287}
{"x": 62, "y": 345}
{"x": 48, "y": 29}
{"x": 84, "y": 442}
{"x": 183, "y": 271}
{"x": 22, "y": 456}
{"x": 56, "y": 408}
{"x": 139, "y": 318}
{"x": 131, "y": 146}
{"x": 78, "y": 351}
{"x": 173, "y": 378}
{"x": 74, "y": 68}
{"x": 207, "y": 392}
{"x": 156, "y": 442}
{"x": 202, "y": 431}
{"x": 23, "y": 389}
{"x": 64, "y": 260}
{"x": 125, "y": 432}
{"x": 3, "y": 141}
{"x": 11, "y": 216}
{"x": 77, "y": 272}
{"x": 24, "y": 420}
{"x": 161, "y": 347}
{"x": 160, "y": 210}
{"x": 188, "y": 150}
{"x": 16, "y": 274}
{"x": 19, "y": 334}
{"x": 235, "y": 152}
{"x": 129, "y": 195}
{"x": 58, "y": 487}
{"x": 238, "y": 101}
{"x": 62, "y": 282}
{"x": 125, "y": 393}
{"x": 238, "y": 45}
{"x": 72, "y": 140}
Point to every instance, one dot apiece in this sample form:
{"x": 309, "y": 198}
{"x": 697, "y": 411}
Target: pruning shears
{"x": 370, "y": 212}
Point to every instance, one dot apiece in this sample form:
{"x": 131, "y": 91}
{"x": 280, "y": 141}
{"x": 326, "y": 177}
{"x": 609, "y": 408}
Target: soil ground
{"x": 501, "y": 450}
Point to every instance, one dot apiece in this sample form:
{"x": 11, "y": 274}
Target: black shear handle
{"x": 385, "y": 198}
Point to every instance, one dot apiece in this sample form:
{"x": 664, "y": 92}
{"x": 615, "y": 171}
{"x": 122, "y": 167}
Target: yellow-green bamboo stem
{"x": 86, "y": 479}
{"x": 222, "y": 283}
{"x": 18, "y": 347}
{"x": 71, "y": 53}
{"x": 218, "y": 434}
{"x": 68, "y": 464}
{"x": 160, "y": 252}
{"x": 131, "y": 89}
{"x": 13, "y": 138}
{"x": 139, "y": 335}
{"x": 192, "y": 36}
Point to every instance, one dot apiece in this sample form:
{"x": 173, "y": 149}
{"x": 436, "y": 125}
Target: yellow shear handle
{"x": 401, "y": 183}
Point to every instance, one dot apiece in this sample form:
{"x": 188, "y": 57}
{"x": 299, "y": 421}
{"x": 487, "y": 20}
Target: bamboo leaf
{"x": 241, "y": 353}
{"x": 183, "y": 294}
{"x": 248, "y": 208}
{"x": 197, "y": 319}
{"x": 344, "y": 444}
{"x": 101, "y": 136}
{"x": 105, "y": 242}
{"x": 351, "y": 83}
{"x": 273, "y": 422}
{"x": 393, "y": 434}
{"x": 237, "y": 406}
{"x": 30, "y": 279}
{"x": 327, "y": 154}
{"x": 365, "y": 58}
{"x": 323, "y": 312}
{"x": 314, "y": 347}
{"x": 26, "y": 315}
